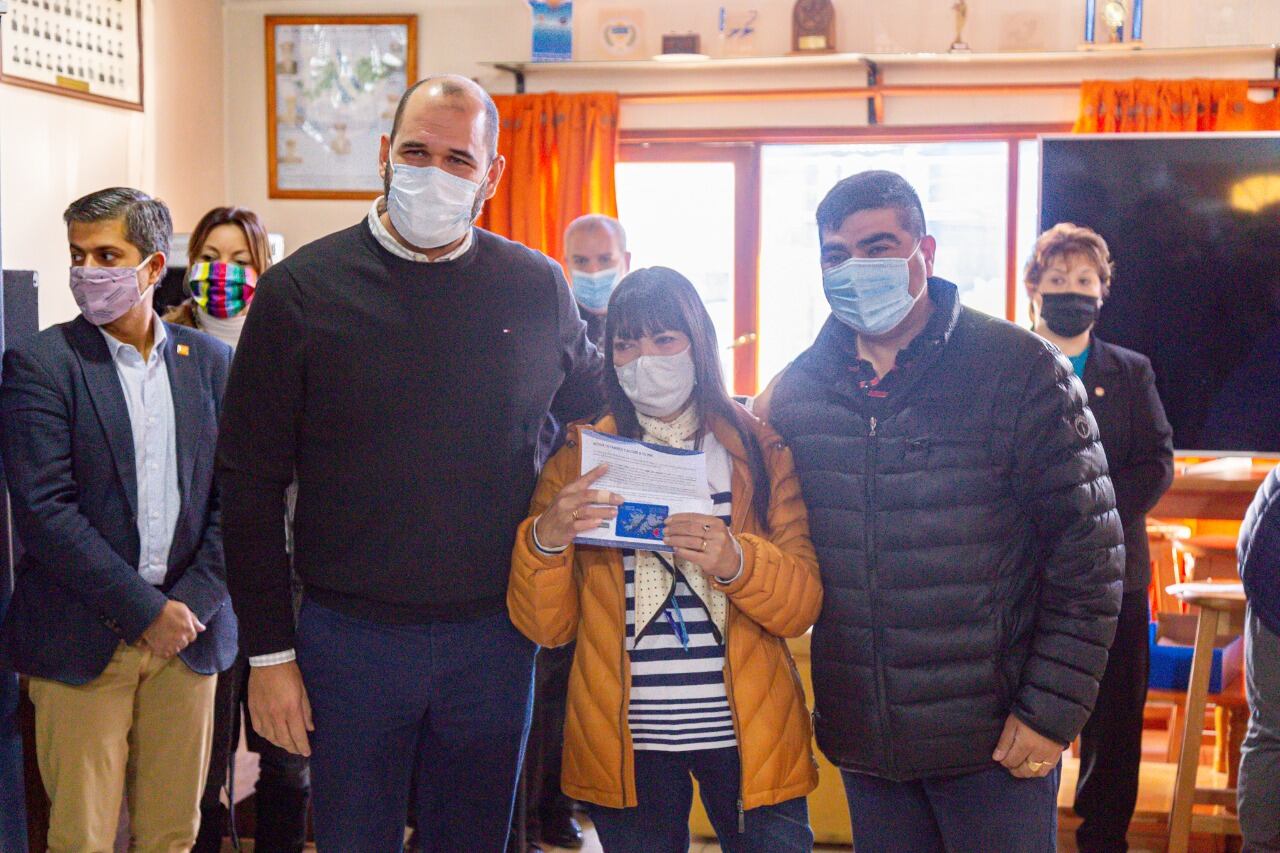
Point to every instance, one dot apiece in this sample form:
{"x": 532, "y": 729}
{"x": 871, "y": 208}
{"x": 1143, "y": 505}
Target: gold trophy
{"x": 813, "y": 27}
{"x": 1114, "y": 15}
{"x": 961, "y": 9}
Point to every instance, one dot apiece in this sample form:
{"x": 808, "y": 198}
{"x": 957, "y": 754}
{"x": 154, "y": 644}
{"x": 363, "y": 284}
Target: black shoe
{"x": 561, "y": 830}
{"x": 213, "y": 826}
{"x": 281, "y": 819}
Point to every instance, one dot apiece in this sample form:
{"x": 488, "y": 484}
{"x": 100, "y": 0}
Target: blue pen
{"x": 1090, "y": 16}
{"x": 1137, "y": 20}
{"x": 676, "y": 622}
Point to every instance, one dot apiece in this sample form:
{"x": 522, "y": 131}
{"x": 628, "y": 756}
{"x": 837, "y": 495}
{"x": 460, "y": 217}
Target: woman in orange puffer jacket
{"x": 681, "y": 667}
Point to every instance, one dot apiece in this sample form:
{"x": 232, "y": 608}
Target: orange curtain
{"x": 1117, "y": 106}
{"x": 560, "y": 151}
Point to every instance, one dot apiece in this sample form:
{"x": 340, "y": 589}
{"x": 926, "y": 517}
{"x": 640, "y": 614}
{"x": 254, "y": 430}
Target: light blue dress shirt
{"x": 155, "y": 452}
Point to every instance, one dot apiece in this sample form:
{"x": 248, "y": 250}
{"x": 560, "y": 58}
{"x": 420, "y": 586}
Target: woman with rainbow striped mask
{"x": 227, "y": 252}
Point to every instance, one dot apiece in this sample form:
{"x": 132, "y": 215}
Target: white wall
{"x": 453, "y": 35}
{"x": 54, "y": 149}
{"x": 202, "y": 140}
{"x": 888, "y": 26}
{"x": 458, "y": 35}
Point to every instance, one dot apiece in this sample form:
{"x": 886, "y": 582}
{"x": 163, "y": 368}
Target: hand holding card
{"x": 577, "y": 508}
{"x": 656, "y": 482}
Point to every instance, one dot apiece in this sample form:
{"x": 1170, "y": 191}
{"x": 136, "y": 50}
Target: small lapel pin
{"x": 1099, "y": 391}
{"x": 183, "y": 349}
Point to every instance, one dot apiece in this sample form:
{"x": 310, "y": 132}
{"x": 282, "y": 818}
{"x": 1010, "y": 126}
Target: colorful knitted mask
{"x": 222, "y": 290}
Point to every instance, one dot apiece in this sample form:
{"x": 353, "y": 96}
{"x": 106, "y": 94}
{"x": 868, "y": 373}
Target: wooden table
{"x": 1221, "y": 612}
{"x": 1221, "y": 495}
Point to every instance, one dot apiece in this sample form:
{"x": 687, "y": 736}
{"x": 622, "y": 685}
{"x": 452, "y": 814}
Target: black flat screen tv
{"x": 1193, "y": 222}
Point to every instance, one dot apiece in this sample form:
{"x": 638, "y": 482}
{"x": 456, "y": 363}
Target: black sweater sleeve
{"x": 256, "y": 462}
{"x": 1062, "y": 474}
{"x": 581, "y": 395}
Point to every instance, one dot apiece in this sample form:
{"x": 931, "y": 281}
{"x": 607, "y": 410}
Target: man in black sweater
{"x": 401, "y": 369}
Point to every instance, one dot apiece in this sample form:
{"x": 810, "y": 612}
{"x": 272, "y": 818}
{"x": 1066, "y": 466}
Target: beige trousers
{"x": 144, "y": 725}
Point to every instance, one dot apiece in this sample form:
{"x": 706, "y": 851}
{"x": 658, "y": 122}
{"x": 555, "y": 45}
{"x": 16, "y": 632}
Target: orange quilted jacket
{"x": 581, "y": 594}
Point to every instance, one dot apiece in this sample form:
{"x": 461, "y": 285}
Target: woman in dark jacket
{"x": 1068, "y": 278}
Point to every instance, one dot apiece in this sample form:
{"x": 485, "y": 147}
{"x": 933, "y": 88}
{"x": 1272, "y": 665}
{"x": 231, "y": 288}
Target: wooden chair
{"x": 1162, "y": 539}
{"x": 1164, "y": 708}
{"x": 1208, "y": 557}
{"x": 1221, "y": 610}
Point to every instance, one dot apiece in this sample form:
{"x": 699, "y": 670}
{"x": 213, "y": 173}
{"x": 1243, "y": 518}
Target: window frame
{"x": 742, "y": 147}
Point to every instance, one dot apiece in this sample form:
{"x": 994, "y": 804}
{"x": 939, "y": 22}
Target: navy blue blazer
{"x": 68, "y": 456}
{"x": 1139, "y": 443}
{"x": 1259, "y": 552}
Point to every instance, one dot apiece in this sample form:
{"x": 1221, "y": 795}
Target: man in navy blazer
{"x": 120, "y": 615}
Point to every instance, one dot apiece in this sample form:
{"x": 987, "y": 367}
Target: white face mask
{"x": 428, "y": 206}
{"x": 658, "y": 385}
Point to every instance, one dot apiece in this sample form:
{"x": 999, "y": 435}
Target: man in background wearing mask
{"x": 120, "y": 614}
{"x": 595, "y": 251}
{"x": 403, "y": 368}
{"x": 965, "y": 527}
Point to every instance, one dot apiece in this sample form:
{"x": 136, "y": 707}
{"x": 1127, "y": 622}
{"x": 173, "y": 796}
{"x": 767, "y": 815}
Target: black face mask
{"x": 1069, "y": 314}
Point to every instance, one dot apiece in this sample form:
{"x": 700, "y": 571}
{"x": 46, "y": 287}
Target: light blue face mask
{"x": 870, "y": 295}
{"x": 593, "y": 289}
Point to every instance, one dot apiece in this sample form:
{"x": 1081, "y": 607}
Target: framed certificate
{"x": 90, "y": 49}
{"x": 333, "y": 83}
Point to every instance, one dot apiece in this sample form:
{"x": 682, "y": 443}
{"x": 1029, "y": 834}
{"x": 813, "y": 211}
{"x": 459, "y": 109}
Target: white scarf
{"x": 654, "y": 583}
{"x": 226, "y": 329}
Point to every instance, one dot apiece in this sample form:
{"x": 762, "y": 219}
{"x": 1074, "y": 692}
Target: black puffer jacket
{"x": 970, "y": 551}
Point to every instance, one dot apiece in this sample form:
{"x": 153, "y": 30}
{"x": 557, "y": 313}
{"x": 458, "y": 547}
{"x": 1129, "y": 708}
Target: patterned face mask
{"x": 222, "y": 290}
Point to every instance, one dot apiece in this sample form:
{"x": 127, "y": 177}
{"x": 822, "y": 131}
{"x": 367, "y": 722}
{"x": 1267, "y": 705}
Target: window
{"x": 1028, "y": 220}
{"x": 737, "y": 218}
{"x": 962, "y": 185}
{"x": 687, "y": 208}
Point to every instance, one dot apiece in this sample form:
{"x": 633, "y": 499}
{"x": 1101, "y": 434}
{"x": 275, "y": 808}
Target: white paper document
{"x": 653, "y": 482}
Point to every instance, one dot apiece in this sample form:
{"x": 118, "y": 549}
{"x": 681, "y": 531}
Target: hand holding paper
{"x": 577, "y": 508}
{"x": 654, "y": 483}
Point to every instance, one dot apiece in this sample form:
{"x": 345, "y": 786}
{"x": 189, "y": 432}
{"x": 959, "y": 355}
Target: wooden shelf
{"x": 1097, "y": 53}
{"x": 1068, "y": 67}
{"x": 744, "y": 63}
{"x": 1085, "y": 54}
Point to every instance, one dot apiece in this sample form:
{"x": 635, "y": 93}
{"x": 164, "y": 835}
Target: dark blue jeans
{"x": 664, "y": 793}
{"x": 985, "y": 812}
{"x": 448, "y": 702}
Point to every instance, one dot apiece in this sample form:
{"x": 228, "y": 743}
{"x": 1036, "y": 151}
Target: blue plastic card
{"x": 641, "y": 521}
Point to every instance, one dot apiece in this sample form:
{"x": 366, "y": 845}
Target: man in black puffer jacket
{"x": 966, "y": 529}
